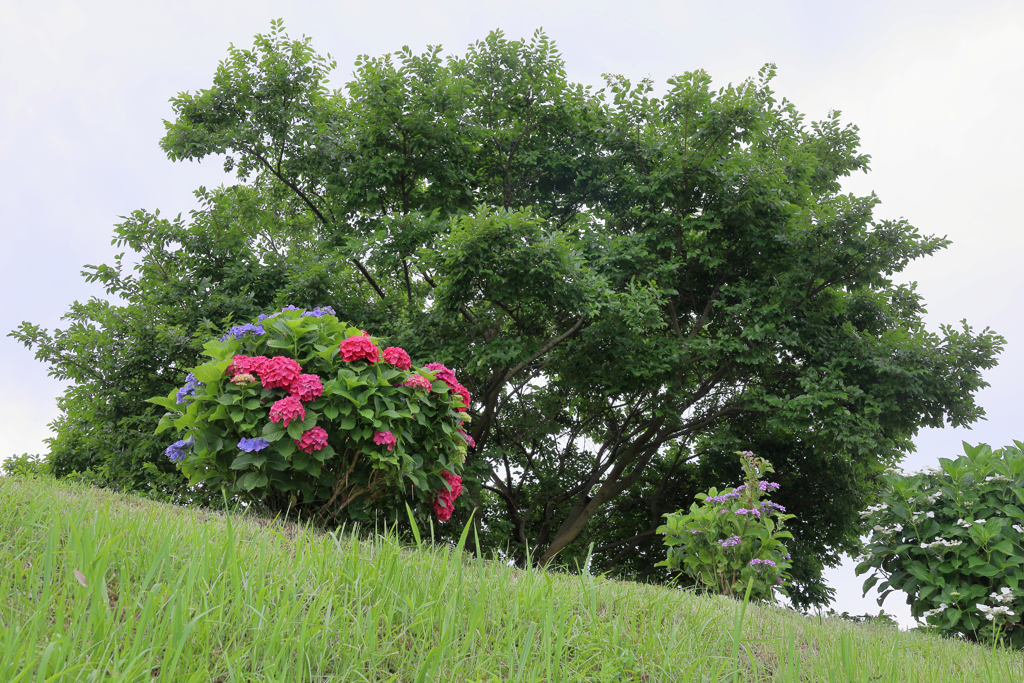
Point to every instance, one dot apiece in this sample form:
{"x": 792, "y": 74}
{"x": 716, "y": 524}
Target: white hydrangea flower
{"x": 938, "y": 610}
{"x": 930, "y": 515}
{"x": 1018, "y": 528}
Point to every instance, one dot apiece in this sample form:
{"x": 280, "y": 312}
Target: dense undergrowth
{"x": 101, "y": 587}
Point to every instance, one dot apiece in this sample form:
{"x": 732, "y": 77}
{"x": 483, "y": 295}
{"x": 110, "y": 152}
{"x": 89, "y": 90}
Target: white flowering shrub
{"x": 952, "y": 539}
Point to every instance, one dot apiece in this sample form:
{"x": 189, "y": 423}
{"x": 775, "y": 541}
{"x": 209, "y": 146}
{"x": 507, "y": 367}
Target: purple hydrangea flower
{"x": 725, "y": 497}
{"x": 729, "y": 542}
{"x": 239, "y": 331}
{"x": 179, "y": 450}
{"x": 252, "y": 445}
{"x": 772, "y": 506}
{"x": 754, "y": 562}
{"x": 186, "y": 393}
{"x": 319, "y": 312}
{"x": 768, "y": 486}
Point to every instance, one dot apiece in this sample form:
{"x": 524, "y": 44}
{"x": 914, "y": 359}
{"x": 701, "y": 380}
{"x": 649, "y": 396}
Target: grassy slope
{"x": 186, "y": 595}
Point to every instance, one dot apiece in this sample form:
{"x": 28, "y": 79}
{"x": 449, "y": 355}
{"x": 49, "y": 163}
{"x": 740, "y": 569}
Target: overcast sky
{"x": 934, "y": 86}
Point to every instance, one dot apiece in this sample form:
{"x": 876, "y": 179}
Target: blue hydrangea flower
{"x": 186, "y": 393}
{"x": 320, "y": 311}
{"x": 179, "y": 450}
{"x": 252, "y": 445}
{"x": 239, "y": 331}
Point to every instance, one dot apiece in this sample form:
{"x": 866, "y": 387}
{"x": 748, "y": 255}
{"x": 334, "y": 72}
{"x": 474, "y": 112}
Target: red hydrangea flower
{"x": 444, "y": 503}
{"x": 397, "y": 357}
{"x": 385, "y": 438}
{"x": 359, "y": 348}
{"x": 419, "y": 382}
{"x": 462, "y": 391}
{"x": 286, "y": 410}
{"x": 312, "y": 440}
{"x": 306, "y": 387}
{"x": 442, "y": 373}
{"x": 280, "y": 372}
{"x": 246, "y": 364}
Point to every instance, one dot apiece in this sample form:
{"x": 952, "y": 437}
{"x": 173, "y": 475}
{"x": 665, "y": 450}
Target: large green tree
{"x": 632, "y": 285}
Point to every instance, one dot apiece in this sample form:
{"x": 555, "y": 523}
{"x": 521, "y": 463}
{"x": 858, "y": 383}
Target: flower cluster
{"x": 306, "y": 387}
{"x": 286, "y": 410}
{"x": 447, "y": 376}
{"x": 280, "y": 372}
{"x": 419, "y": 382}
{"x": 385, "y": 439}
{"x": 729, "y": 542}
{"x": 992, "y": 612}
{"x": 724, "y": 498}
{"x": 186, "y": 393}
{"x": 444, "y": 503}
{"x": 312, "y": 440}
{"x": 756, "y": 561}
{"x": 252, "y": 445}
{"x": 941, "y": 542}
{"x": 239, "y": 331}
{"x": 319, "y": 312}
{"x": 398, "y": 357}
{"x": 359, "y": 347}
{"x": 179, "y": 450}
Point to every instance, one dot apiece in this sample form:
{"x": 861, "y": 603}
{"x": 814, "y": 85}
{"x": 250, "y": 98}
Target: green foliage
{"x": 631, "y": 286}
{"x": 27, "y": 466}
{"x": 350, "y": 475}
{"x": 732, "y": 537}
{"x": 951, "y": 539}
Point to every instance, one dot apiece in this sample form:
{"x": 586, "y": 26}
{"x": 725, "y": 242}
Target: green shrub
{"x": 951, "y": 539}
{"x": 732, "y": 537}
{"x": 301, "y": 412}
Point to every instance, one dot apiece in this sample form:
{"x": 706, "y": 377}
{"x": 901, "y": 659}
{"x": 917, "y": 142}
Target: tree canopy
{"x": 633, "y": 283}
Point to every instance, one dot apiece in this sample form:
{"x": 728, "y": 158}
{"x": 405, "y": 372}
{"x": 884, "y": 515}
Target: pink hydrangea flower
{"x": 385, "y": 438}
{"x": 462, "y": 391}
{"x": 442, "y": 373}
{"x": 444, "y": 503}
{"x": 279, "y": 372}
{"x": 469, "y": 439}
{"x": 312, "y": 440}
{"x": 397, "y": 357}
{"x": 419, "y": 382}
{"x": 306, "y": 387}
{"x": 286, "y": 410}
{"x": 243, "y": 378}
{"x": 246, "y": 365}
{"x": 359, "y": 348}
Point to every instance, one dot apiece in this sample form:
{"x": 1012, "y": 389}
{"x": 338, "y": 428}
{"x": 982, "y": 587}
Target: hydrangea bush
{"x": 300, "y": 411}
{"x": 952, "y": 539}
{"x": 732, "y": 536}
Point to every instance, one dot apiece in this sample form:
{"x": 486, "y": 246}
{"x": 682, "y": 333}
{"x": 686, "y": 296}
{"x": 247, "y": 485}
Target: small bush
{"x": 301, "y": 411}
{"x": 27, "y": 466}
{"x": 951, "y": 539}
{"x": 732, "y": 536}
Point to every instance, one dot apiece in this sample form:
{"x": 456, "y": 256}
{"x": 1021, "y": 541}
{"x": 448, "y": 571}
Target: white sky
{"x": 934, "y": 86}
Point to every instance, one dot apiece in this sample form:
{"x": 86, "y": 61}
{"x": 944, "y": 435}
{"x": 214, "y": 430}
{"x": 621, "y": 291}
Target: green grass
{"x": 187, "y": 595}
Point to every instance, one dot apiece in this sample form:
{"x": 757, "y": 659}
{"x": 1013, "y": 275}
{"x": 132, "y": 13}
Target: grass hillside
{"x": 101, "y": 587}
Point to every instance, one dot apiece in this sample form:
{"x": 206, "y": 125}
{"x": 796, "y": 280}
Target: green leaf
{"x": 210, "y": 373}
{"x": 272, "y": 431}
{"x": 242, "y": 461}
